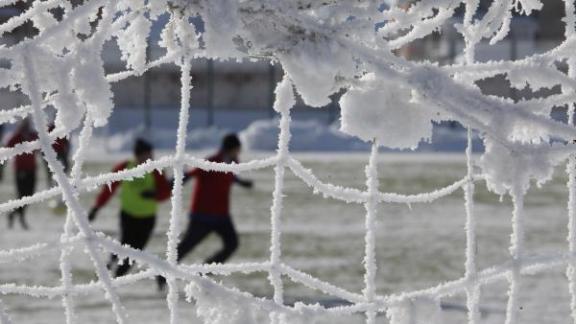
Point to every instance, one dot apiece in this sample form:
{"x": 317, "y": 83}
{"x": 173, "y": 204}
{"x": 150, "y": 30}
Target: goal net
{"x": 323, "y": 46}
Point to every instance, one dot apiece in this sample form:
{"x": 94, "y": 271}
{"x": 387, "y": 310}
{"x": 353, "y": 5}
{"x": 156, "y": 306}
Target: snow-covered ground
{"x": 418, "y": 246}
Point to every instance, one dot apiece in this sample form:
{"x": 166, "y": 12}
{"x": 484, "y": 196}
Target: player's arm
{"x": 245, "y": 183}
{"x": 106, "y": 193}
{"x": 187, "y": 176}
{"x": 163, "y": 187}
{"x": 190, "y": 174}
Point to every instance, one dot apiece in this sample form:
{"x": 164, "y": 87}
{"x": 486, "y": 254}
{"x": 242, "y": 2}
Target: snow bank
{"x": 313, "y": 135}
{"x": 163, "y": 139}
{"x": 309, "y": 135}
{"x": 261, "y": 135}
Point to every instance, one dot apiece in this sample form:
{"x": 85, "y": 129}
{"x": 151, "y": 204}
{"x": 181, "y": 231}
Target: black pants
{"x": 25, "y": 186}
{"x": 135, "y": 232}
{"x": 200, "y": 226}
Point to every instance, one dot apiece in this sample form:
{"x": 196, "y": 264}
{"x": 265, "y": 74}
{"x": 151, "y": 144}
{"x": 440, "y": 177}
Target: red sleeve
{"x": 108, "y": 191}
{"x": 163, "y": 189}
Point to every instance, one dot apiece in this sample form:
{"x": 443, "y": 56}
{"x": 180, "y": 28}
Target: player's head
{"x": 231, "y": 146}
{"x": 142, "y": 150}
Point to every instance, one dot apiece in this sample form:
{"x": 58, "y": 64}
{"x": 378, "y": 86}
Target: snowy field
{"x": 419, "y": 246}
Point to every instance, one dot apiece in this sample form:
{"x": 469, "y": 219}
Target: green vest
{"x": 131, "y": 195}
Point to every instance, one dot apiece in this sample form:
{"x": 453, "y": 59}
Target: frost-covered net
{"x": 323, "y": 46}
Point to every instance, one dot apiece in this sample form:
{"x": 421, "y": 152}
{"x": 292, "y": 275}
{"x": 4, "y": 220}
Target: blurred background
{"x": 238, "y": 96}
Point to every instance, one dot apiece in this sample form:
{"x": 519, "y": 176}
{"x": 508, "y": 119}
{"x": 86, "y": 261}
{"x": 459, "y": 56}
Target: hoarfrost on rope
{"x": 326, "y": 48}
{"x": 385, "y": 111}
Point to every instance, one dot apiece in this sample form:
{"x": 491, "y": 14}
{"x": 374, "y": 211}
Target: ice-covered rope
{"x": 92, "y": 182}
{"x": 531, "y": 265}
{"x": 65, "y": 266}
{"x": 571, "y": 184}
{"x": 473, "y": 289}
{"x": 328, "y": 190}
{"x": 75, "y": 177}
{"x": 176, "y": 213}
{"x": 21, "y": 112}
{"x": 570, "y": 31}
{"x": 469, "y": 106}
{"x": 68, "y": 192}
{"x": 208, "y": 165}
{"x": 517, "y": 254}
{"x": 23, "y": 253}
{"x": 470, "y": 265}
{"x": 371, "y": 207}
{"x": 283, "y": 104}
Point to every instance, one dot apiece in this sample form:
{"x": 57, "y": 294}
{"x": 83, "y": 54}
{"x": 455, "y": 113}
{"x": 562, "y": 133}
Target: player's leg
{"x": 11, "y": 217}
{"x": 26, "y": 187}
{"x": 196, "y": 232}
{"x": 112, "y": 262}
{"x": 129, "y": 236}
{"x": 124, "y": 222}
{"x": 50, "y": 182}
{"x": 18, "y": 182}
{"x": 229, "y": 236}
{"x": 63, "y": 158}
{"x": 140, "y": 232}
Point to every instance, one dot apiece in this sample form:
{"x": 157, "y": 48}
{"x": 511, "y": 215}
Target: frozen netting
{"x": 325, "y": 47}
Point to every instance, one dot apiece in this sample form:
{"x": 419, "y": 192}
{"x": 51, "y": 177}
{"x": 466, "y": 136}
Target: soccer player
{"x": 210, "y": 211}
{"x": 24, "y": 170}
{"x": 139, "y": 199}
{"x": 62, "y": 148}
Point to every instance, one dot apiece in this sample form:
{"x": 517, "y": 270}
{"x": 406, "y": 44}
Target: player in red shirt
{"x": 24, "y": 170}
{"x": 210, "y": 210}
{"x": 61, "y": 146}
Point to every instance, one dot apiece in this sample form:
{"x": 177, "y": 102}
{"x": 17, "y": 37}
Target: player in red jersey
{"x": 24, "y": 170}
{"x": 61, "y": 146}
{"x": 210, "y": 210}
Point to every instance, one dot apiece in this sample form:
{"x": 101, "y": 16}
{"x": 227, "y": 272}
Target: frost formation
{"x": 324, "y": 47}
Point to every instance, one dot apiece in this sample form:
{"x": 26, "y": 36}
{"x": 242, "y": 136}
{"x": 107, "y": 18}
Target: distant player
{"x": 24, "y": 170}
{"x": 139, "y": 199}
{"x": 62, "y": 148}
{"x": 210, "y": 211}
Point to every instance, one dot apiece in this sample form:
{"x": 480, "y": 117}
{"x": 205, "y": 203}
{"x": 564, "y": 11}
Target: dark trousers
{"x": 25, "y": 186}
{"x": 200, "y": 226}
{"x": 135, "y": 232}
